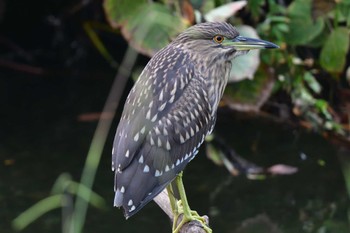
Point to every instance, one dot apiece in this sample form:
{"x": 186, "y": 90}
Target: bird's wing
{"x": 160, "y": 131}
{"x": 152, "y": 97}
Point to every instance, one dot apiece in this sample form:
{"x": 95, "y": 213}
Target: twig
{"x": 22, "y": 67}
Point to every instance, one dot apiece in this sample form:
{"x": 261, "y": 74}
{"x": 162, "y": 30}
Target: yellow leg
{"x": 173, "y": 205}
{"x": 188, "y": 214}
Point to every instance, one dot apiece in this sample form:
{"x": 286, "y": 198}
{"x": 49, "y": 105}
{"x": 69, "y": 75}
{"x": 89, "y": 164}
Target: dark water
{"x": 41, "y": 138}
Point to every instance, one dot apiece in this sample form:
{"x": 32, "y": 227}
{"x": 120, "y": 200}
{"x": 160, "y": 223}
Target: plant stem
{"x": 99, "y": 139}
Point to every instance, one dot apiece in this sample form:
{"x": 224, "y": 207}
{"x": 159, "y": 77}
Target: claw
{"x": 182, "y": 208}
{"x": 194, "y": 216}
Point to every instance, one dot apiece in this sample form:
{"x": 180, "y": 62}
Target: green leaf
{"x": 312, "y": 83}
{"x": 333, "y": 54}
{"x": 119, "y": 11}
{"x": 250, "y": 95}
{"x": 322, "y": 107}
{"x": 282, "y": 27}
{"x": 320, "y": 39}
{"x": 148, "y": 27}
{"x": 89, "y": 28}
{"x": 302, "y": 29}
{"x": 255, "y": 7}
{"x": 214, "y": 153}
{"x": 37, "y": 210}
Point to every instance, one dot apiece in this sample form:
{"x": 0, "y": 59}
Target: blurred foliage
{"x": 147, "y": 26}
{"x": 62, "y": 196}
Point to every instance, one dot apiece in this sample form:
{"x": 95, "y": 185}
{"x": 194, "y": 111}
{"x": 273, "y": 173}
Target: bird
{"x": 170, "y": 110}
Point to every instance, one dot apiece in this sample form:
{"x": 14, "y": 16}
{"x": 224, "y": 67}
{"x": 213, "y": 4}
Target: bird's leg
{"x": 188, "y": 214}
{"x": 173, "y": 205}
{"x": 172, "y": 199}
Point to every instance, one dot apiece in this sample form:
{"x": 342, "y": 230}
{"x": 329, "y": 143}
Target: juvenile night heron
{"x": 170, "y": 110}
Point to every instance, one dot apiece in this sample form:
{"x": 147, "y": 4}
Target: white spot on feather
{"x": 168, "y": 147}
{"x": 161, "y": 95}
{"x": 143, "y": 130}
{"x": 196, "y": 112}
{"x": 148, "y": 114}
{"x": 197, "y": 128}
{"x": 151, "y": 141}
{"x": 141, "y": 159}
{"x": 182, "y": 140}
{"x": 187, "y": 135}
{"x": 136, "y": 138}
{"x": 192, "y": 132}
{"x": 156, "y": 129}
{"x": 192, "y": 116}
{"x": 186, "y": 156}
{"x": 157, "y": 173}
{"x": 161, "y": 108}
{"x": 165, "y": 131}
{"x": 154, "y": 117}
{"x": 173, "y": 91}
{"x": 146, "y": 169}
{"x": 171, "y": 100}
{"x": 150, "y": 104}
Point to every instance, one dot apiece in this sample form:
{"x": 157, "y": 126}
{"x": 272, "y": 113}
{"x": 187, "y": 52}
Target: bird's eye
{"x": 218, "y": 39}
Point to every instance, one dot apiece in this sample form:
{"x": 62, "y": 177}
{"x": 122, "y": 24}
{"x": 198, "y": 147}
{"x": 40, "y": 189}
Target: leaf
{"x": 250, "y": 95}
{"x": 214, "y": 153}
{"x": 302, "y": 29}
{"x": 222, "y": 13}
{"x": 244, "y": 67}
{"x": 312, "y": 83}
{"x": 148, "y": 27}
{"x": 37, "y": 210}
{"x": 255, "y": 7}
{"x": 95, "y": 39}
{"x": 187, "y": 11}
{"x": 119, "y": 11}
{"x": 321, "y": 7}
{"x": 333, "y": 53}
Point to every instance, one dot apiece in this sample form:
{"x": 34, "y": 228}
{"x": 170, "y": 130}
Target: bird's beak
{"x": 245, "y": 43}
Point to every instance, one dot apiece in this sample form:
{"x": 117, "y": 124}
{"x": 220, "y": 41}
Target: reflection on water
{"x": 42, "y": 138}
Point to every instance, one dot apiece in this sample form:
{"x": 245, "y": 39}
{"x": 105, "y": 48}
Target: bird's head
{"x": 218, "y": 41}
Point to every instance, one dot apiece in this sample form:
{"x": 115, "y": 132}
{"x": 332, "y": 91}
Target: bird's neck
{"x": 214, "y": 72}
{"x": 215, "y": 76}
{"x": 217, "y": 82}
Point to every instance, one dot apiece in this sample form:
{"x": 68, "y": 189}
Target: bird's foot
{"x": 188, "y": 216}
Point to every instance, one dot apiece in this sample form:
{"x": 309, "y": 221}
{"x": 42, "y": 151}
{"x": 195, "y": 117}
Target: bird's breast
{"x": 216, "y": 83}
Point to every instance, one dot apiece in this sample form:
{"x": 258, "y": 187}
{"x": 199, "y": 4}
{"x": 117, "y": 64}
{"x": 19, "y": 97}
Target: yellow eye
{"x": 218, "y": 39}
